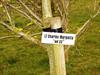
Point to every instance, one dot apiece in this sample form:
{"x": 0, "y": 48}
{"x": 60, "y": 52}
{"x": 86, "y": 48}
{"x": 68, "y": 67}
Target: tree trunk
{"x": 55, "y": 52}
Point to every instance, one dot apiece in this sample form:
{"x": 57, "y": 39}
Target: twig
{"x": 95, "y": 4}
{"x": 64, "y": 5}
{"x": 98, "y": 12}
{"x": 9, "y": 17}
{"x": 30, "y": 11}
{"x": 32, "y": 2}
{"x": 22, "y": 12}
{"x": 60, "y": 11}
{"x": 85, "y": 25}
{"x": 4, "y": 24}
{"x": 4, "y": 37}
{"x": 20, "y": 33}
{"x": 82, "y": 29}
{"x": 26, "y": 15}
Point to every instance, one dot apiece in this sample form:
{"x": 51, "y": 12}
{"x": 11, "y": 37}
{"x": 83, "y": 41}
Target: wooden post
{"x": 55, "y": 52}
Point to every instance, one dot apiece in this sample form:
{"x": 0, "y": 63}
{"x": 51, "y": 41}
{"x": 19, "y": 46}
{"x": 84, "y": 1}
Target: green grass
{"x": 20, "y": 57}
{"x": 85, "y": 56}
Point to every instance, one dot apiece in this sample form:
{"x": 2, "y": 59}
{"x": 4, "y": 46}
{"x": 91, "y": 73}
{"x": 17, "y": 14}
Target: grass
{"x": 20, "y": 57}
{"x": 84, "y": 57}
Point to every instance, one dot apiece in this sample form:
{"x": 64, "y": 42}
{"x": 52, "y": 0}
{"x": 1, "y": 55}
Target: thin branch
{"x": 30, "y": 11}
{"x": 25, "y": 14}
{"x": 9, "y": 17}
{"x": 98, "y": 12}
{"x": 86, "y": 24}
{"x": 6, "y": 25}
{"x": 95, "y": 4}
{"x": 26, "y": 36}
{"x": 60, "y": 11}
{"x": 22, "y": 12}
{"x": 82, "y": 29}
{"x": 64, "y": 5}
{"x": 12, "y": 36}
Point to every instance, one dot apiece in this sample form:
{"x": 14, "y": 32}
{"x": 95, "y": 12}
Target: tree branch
{"x": 64, "y": 6}
{"x": 20, "y": 33}
{"x": 86, "y": 24}
{"x": 82, "y": 29}
{"x": 9, "y": 17}
{"x": 25, "y": 15}
{"x": 11, "y": 36}
{"x": 30, "y": 11}
{"x": 22, "y": 12}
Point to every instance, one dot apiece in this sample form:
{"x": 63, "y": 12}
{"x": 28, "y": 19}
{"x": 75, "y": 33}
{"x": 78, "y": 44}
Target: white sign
{"x": 58, "y": 38}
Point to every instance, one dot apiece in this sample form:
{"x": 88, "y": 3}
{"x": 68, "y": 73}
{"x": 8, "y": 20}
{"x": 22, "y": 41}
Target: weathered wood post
{"x": 55, "y": 52}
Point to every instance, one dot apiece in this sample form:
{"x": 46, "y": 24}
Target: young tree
{"x": 42, "y": 21}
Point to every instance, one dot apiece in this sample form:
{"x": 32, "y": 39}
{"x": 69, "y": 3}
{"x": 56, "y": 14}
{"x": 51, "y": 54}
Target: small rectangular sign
{"x": 58, "y": 38}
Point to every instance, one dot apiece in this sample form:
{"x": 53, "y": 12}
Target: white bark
{"x": 55, "y": 52}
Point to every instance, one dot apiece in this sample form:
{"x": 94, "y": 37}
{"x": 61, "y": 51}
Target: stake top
{"x": 56, "y": 23}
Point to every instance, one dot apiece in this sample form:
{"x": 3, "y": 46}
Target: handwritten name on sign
{"x": 58, "y": 38}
